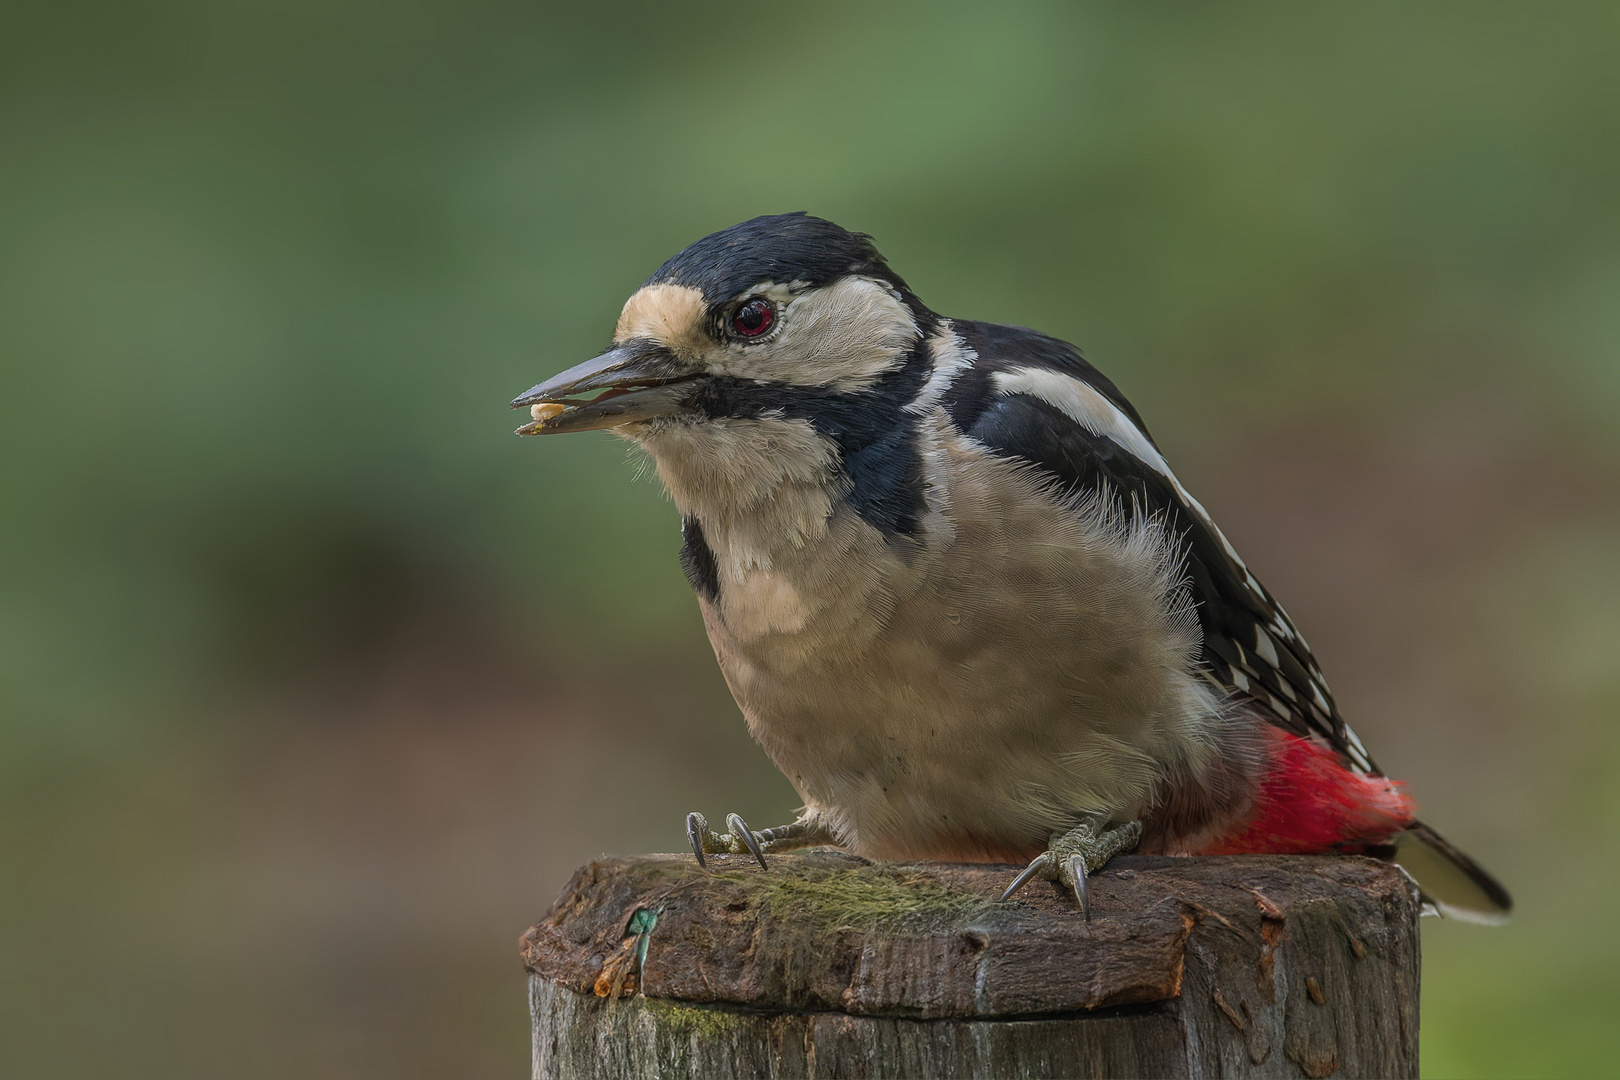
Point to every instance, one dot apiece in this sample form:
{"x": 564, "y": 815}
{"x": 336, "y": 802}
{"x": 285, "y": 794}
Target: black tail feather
{"x": 1450, "y": 880}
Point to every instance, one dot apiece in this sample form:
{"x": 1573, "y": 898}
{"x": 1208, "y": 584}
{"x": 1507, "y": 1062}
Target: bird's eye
{"x": 753, "y": 318}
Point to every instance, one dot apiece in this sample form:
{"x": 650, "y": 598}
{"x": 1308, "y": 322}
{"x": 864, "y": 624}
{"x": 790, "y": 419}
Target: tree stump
{"x": 826, "y": 965}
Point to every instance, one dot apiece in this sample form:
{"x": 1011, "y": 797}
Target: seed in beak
{"x": 546, "y": 410}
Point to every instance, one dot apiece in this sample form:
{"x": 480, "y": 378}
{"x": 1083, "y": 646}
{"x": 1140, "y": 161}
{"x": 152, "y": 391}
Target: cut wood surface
{"x": 827, "y": 965}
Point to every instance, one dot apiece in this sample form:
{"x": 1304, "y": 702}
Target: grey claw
{"x": 739, "y": 828}
{"x": 696, "y": 826}
{"x": 1077, "y": 870}
{"x": 1035, "y": 867}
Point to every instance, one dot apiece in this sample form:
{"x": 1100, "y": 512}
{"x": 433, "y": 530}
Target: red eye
{"x": 753, "y": 318}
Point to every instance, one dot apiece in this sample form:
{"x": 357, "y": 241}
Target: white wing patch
{"x": 1094, "y": 412}
{"x": 1360, "y": 751}
{"x": 1316, "y": 691}
{"x": 1263, "y": 646}
{"x": 1087, "y": 408}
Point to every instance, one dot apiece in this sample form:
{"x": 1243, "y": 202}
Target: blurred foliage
{"x": 269, "y": 272}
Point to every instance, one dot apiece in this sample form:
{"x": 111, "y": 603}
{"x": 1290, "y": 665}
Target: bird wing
{"x": 1031, "y": 397}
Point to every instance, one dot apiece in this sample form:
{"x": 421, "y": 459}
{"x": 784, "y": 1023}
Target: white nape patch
{"x": 952, "y": 356}
{"x": 843, "y": 336}
{"x": 669, "y": 314}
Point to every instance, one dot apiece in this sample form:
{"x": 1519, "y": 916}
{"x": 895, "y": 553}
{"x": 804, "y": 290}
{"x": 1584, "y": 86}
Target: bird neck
{"x": 758, "y": 486}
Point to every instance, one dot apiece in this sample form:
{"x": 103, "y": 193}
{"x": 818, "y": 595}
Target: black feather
{"x": 1021, "y": 347}
{"x": 779, "y": 247}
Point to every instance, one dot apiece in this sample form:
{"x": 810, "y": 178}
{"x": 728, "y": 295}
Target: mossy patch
{"x": 683, "y": 1021}
{"x": 861, "y": 898}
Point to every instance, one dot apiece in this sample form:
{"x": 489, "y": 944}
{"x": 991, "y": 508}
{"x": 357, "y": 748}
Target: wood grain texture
{"x": 826, "y": 965}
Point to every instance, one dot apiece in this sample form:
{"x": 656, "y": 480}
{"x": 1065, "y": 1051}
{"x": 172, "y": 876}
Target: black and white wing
{"x": 1033, "y": 397}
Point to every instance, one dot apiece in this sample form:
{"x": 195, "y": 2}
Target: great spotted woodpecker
{"x": 959, "y": 595}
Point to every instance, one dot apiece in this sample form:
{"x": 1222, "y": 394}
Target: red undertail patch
{"x": 1309, "y": 802}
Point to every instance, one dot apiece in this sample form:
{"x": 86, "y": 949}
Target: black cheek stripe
{"x": 876, "y": 438}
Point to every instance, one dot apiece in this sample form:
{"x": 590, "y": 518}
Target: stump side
{"x": 829, "y": 966}
{"x": 584, "y": 1036}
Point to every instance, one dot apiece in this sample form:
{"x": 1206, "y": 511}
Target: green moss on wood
{"x": 680, "y": 1021}
{"x": 860, "y": 898}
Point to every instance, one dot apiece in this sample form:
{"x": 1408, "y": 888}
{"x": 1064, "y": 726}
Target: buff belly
{"x": 1030, "y": 666}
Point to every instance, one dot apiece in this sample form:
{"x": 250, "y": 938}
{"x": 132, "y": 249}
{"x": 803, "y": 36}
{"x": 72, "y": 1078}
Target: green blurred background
{"x": 315, "y": 683}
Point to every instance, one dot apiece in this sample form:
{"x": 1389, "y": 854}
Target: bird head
{"x": 782, "y": 317}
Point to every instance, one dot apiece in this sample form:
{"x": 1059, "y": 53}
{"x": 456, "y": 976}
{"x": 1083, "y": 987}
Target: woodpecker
{"x": 960, "y": 597}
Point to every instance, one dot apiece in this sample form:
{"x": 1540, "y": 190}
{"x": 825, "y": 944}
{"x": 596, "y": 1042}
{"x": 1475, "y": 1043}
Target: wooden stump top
{"x": 823, "y": 931}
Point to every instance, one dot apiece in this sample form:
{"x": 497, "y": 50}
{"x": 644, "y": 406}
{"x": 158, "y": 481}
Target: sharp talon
{"x": 739, "y": 829}
{"x": 1077, "y": 870}
{"x": 696, "y": 826}
{"x": 1025, "y": 874}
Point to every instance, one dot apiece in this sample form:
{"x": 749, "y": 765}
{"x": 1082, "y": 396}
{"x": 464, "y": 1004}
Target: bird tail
{"x": 1450, "y": 880}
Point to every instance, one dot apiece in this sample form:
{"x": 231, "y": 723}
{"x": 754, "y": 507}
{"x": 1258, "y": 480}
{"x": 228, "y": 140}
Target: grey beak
{"x": 642, "y": 380}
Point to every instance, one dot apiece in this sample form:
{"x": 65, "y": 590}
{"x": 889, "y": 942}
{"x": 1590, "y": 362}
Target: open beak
{"x": 641, "y": 380}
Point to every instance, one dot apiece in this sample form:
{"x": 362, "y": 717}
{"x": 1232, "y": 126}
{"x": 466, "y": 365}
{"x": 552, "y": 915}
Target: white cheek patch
{"x": 844, "y": 337}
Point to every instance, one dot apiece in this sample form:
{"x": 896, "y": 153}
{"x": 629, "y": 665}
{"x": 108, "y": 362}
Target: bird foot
{"x": 741, "y": 840}
{"x": 1076, "y": 853}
